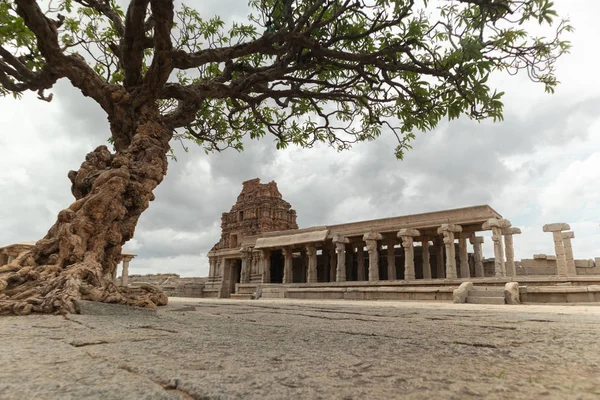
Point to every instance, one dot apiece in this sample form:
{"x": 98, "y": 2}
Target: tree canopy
{"x": 305, "y": 71}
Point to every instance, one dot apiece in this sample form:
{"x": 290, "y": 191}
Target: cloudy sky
{"x": 540, "y": 165}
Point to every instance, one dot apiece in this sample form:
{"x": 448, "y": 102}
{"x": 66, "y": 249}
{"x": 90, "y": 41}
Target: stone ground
{"x": 268, "y": 349}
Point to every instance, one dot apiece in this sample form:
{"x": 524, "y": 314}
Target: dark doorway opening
{"x": 236, "y": 273}
{"x": 277, "y": 261}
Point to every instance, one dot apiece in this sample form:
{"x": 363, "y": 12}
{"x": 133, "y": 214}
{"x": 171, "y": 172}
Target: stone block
{"x": 556, "y": 227}
{"x": 449, "y": 228}
{"x": 580, "y": 297}
{"x": 539, "y": 256}
{"x": 551, "y": 258}
{"x": 511, "y": 293}
{"x": 408, "y": 232}
{"x": 372, "y": 236}
{"x": 337, "y": 238}
{"x": 511, "y": 231}
{"x": 569, "y": 235}
{"x": 476, "y": 239}
{"x": 460, "y": 295}
{"x": 85, "y": 307}
{"x": 495, "y": 223}
{"x": 584, "y": 263}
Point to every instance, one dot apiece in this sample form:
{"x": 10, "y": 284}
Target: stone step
{"x": 246, "y": 289}
{"x": 241, "y": 296}
{"x": 486, "y": 292}
{"x": 485, "y": 300}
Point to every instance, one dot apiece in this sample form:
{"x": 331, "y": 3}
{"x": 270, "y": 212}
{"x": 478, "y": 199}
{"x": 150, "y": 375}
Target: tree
{"x": 333, "y": 71}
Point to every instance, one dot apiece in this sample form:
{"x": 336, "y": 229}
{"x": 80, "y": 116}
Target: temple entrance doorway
{"x": 277, "y": 261}
{"x": 236, "y": 273}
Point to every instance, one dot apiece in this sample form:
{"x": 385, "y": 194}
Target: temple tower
{"x": 259, "y": 208}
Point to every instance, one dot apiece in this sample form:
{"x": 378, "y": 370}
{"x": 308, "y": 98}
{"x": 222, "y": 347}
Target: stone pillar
{"x": 448, "y": 230}
{"x": 10, "y": 259}
{"x": 559, "y": 247}
{"x": 360, "y": 262}
{"x": 508, "y": 233}
{"x": 287, "y": 265}
{"x": 350, "y": 262}
{"x": 496, "y": 226}
{"x": 391, "y": 261}
{"x": 340, "y": 249}
{"x": 114, "y": 274}
{"x": 439, "y": 251}
{"x": 567, "y": 236}
{"x": 222, "y": 268}
{"x": 125, "y": 274}
{"x": 311, "y": 271}
{"x": 211, "y": 266}
{"x": 371, "y": 239}
{"x": 265, "y": 260}
{"x": 476, "y": 241}
{"x": 407, "y": 236}
{"x": 463, "y": 256}
{"x": 426, "y": 261}
{"x": 245, "y": 272}
{"x": 332, "y": 264}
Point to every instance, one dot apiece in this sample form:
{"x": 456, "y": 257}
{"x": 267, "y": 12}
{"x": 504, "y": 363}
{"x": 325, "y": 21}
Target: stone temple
{"x": 430, "y": 256}
{"x": 262, "y": 252}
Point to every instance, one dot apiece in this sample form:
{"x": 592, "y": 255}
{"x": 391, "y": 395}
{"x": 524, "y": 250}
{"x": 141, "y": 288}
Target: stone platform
{"x": 302, "y": 349}
{"x": 534, "y": 289}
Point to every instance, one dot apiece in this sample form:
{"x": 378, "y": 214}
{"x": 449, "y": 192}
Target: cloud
{"x": 539, "y": 165}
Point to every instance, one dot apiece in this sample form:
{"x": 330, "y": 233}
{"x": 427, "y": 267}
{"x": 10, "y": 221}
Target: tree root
{"x": 26, "y": 289}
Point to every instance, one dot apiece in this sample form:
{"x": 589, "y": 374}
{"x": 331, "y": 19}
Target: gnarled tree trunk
{"x": 78, "y": 256}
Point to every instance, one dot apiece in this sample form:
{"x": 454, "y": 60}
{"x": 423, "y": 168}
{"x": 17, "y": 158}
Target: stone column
{"x": 287, "y": 265}
{"x": 476, "y": 241}
{"x": 391, "y": 261}
{"x": 350, "y": 262}
{"x": 567, "y": 236}
{"x": 245, "y": 272}
{"x": 125, "y": 274}
{"x": 426, "y": 261}
{"x": 222, "y": 268}
{"x": 439, "y": 251}
{"x": 463, "y": 256}
{"x": 340, "y": 249}
{"x": 265, "y": 259}
{"x": 371, "y": 239}
{"x": 360, "y": 262}
{"x": 211, "y": 266}
{"x": 311, "y": 271}
{"x": 332, "y": 264}
{"x": 448, "y": 230}
{"x": 407, "y": 236}
{"x": 496, "y": 226}
{"x": 508, "y": 233}
{"x": 559, "y": 247}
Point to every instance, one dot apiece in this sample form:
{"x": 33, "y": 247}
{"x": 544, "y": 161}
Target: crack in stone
{"x": 172, "y": 386}
{"x": 157, "y": 329}
{"x": 476, "y": 344}
{"x": 98, "y": 342}
{"x": 78, "y": 322}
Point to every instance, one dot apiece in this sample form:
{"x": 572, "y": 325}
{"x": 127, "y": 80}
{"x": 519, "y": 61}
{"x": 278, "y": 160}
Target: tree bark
{"x": 77, "y": 257}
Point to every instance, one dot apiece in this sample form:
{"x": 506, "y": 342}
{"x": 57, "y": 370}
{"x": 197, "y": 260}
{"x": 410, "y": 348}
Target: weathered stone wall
{"x": 542, "y": 264}
{"x": 172, "y": 284}
{"x": 259, "y": 208}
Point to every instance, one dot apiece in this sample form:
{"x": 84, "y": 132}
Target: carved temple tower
{"x": 259, "y": 208}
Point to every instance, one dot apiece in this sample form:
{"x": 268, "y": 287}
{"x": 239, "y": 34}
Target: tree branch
{"x": 133, "y": 44}
{"x": 73, "y": 66}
